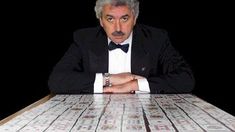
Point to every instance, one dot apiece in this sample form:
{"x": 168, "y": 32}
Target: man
{"x": 121, "y": 56}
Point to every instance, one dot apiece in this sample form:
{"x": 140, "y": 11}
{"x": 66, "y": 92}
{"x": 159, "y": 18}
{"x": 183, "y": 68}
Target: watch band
{"x": 107, "y": 80}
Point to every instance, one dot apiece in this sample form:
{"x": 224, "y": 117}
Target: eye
{"x": 109, "y": 19}
{"x": 124, "y": 19}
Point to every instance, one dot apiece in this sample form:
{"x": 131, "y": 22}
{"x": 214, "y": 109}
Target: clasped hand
{"x": 122, "y": 83}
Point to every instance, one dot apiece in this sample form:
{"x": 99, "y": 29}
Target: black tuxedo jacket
{"x": 152, "y": 56}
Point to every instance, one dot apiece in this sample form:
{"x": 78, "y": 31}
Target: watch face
{"x": 106, "y": 74}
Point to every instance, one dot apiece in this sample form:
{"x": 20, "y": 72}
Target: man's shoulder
{"x": 88, "y": 34}
{"x": 90, "y": 30}
{"x": 150, "y": 29}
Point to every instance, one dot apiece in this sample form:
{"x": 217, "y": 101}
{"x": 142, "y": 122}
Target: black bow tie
{"x": 123, "y": 47}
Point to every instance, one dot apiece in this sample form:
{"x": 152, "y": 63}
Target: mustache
{"x": 118, "y": 33}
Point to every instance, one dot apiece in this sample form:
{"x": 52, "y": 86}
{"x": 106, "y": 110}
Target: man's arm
{"x": 126, "y": 83}
{"x": 176, "y": 78}
{"x": 68, "y": 76}
{"x": 175, "y": 74}
{"x": 127, "y": 87}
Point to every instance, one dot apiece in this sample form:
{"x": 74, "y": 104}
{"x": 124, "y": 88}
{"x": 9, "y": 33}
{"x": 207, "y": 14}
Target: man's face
{"x": 118, "y": 22}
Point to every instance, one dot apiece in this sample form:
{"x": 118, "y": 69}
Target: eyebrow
{"x": 109, "y": 15}
{"x": 113, "y": 16}
{"x": 125, "y": 16}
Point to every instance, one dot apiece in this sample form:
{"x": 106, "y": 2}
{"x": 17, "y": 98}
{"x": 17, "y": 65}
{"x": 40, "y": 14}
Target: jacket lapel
{"x": 140, "y": 58}
{"x": 98, "y": 53}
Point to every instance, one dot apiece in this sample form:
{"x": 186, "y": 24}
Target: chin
{"x": 118, "y": 40}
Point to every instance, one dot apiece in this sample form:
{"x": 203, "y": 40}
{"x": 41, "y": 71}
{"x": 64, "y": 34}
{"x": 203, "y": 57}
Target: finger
{"x": 138, "y": 77}
{"x": 107, "y": 90}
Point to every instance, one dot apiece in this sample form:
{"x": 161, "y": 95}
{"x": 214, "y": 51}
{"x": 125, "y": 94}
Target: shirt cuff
{"x": 143, "y": 86}
{"x": 98, "y": 85}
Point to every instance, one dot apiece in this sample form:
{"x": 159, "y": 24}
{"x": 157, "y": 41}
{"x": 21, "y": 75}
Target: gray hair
{"x": 132, "y": 4}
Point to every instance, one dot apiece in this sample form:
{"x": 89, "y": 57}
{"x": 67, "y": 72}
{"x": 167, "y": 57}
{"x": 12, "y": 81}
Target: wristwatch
{"x": 107, "y": 80}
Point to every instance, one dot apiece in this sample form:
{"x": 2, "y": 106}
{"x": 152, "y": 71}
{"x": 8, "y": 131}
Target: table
{"x": 120, "y": 112}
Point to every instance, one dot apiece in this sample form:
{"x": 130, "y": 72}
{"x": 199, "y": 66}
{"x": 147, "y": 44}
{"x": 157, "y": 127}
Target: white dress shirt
{"x": 120, "y": 62}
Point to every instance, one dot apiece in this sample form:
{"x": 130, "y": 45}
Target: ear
{"x": 101, "y": 23}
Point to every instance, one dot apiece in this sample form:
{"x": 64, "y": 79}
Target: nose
{"x": 117, "y": 26}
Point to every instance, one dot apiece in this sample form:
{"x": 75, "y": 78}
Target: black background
{"x": 36, "y": 35}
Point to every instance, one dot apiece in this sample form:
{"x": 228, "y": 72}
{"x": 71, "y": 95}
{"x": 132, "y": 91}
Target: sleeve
{"x": 174, "y": 74}
{"x": 68, "y": 75}
{"x": 143, "y": 86}
{"x": 98, "y": 85}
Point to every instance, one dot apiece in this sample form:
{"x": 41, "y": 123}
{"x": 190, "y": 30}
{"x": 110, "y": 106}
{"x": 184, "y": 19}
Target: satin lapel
{"x": 140, "y": 59}
{"x": 98, "y": 54}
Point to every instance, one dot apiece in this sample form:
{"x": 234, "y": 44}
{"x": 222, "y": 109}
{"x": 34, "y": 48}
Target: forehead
{"x": 117, "y": 11}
